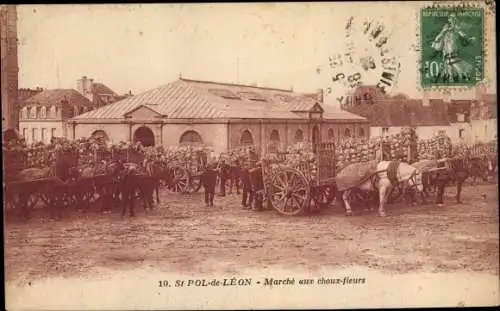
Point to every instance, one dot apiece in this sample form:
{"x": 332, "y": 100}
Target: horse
{"x": 387, "y": 175}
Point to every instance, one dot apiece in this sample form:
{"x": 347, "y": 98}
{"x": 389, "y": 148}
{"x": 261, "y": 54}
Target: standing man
{"x": 442, "y": 177}
{"x": 224, "y": 170}
{"x": 257, "y": 186}
{"x": 247, "y": 197}
{"x": 235, "y": 176}
{"x": 208, "y": 179}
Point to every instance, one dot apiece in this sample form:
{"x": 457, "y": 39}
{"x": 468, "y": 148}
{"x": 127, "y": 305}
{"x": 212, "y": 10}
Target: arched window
{"x": 100, "y": 136}
{"x": 275, "y": 136}
{"x": 52, "y": 111}
{"x": 347, "y": 133}
{"x": 299, "y": 135}
{"x": 24, "y": 112}
{"x": 43, "y": 112}
{"x": 58, "y": 112}
{"x": 361, "y": 132}
{"x": 246, "y": 138}
{"x": 32, "y": 112}
{"x": 190, "y": 138}
{"x": 38, "y": 112}
{"x": 331, "y": 134}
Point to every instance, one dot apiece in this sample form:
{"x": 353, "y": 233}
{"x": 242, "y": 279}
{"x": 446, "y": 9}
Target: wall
{"x": 213, "y": 135}
{"x": 376, "y": 131}
{"x": 484, "y": 130}
{"x": 39, "y": 124}
{"x": 426, "y": 132}
{"x": 116, "y": 132}
{"x": 454, "y": 133}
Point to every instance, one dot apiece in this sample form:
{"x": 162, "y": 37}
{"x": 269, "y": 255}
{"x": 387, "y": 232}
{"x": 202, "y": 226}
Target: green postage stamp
{"x": 452, "y": 46}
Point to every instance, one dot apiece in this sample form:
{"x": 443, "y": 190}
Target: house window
{"x": 44, "y": 135}
{"x": 38, "y": 112}
{"x": 52, "y": 112}
{"x": 52, "y": 133}
{"x": 347, "y": 133}
{"x": 361, "y": 132}
{"x": 34, "y": 135}
{"x": 25, "y": 133}
{"x": 461, "y": 133}
{"x": 43, "y": 112}
{"x": 24, "y": 113}
{"x": 331, "y": 134}
{"x": 385, "y": 130}
{"x": 32, "y": 112}
{"x": 275, "y": 136}
{"x": 190, "y": 138}
{"x": 299, "y": 136}
{"x": 58, "y": 112}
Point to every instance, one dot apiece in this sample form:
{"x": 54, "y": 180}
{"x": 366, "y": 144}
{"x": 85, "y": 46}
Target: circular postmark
{"x": 367, "y": 59}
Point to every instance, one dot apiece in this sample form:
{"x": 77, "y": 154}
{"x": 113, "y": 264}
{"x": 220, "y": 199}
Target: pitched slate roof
{"x": 100, "y": 88}
{"x": 190, "y": 99}
{"x": 56, "y": 96}
{"x": 401, "y": 112}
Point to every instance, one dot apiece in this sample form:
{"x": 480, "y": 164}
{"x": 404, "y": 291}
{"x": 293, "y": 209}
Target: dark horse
{"x": 448, "y": 172}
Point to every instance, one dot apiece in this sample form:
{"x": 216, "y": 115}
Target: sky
{"x": 287, "y": 45}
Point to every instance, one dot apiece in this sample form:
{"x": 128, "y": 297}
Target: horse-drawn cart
{"x": 299, "y": 183}
{"x": 185, "y": 170}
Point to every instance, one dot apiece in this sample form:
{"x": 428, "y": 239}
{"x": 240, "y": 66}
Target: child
{"x": 208, "y": 180}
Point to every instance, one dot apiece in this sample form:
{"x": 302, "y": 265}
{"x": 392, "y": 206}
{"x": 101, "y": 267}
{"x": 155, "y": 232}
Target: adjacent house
{"x": 220, "y": 115}
{"x": 484, "y": 118}
{"x": 44, "y": 115}
{"x": 98, "y": 93}
{"x": 389, "y": 114}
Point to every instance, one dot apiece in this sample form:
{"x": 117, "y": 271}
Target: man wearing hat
{"x": 257, "y": 186}
{"x": 208, "y": 180}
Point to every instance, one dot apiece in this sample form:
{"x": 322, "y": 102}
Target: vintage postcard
{"x": 250, "y": 155}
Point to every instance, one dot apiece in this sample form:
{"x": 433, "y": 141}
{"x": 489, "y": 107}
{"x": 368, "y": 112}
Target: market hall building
{"x": 222, "y": 116}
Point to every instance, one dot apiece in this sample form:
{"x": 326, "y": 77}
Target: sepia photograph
{"x": 209, "y": 156}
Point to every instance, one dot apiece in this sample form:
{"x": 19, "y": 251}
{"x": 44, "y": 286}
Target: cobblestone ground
{"x": 181, "y": 234}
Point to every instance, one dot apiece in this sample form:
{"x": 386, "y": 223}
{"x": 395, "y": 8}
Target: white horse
{"x": 380, "y": 181}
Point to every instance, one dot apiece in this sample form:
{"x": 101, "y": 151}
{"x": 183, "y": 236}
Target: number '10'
{"x": 433, "y": 68}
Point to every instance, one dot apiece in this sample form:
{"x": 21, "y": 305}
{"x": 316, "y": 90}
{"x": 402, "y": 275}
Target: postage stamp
{"x": 452, "y": 46}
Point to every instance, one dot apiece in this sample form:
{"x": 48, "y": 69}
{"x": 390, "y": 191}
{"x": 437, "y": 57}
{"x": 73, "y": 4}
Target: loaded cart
{"x": 186, "y": 169}
{"x": 296, "y": 181}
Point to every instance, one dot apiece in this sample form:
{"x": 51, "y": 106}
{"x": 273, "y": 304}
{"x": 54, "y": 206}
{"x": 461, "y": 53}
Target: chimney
{"x": 425, "y": 98}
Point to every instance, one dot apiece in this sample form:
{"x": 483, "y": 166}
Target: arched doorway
{"x": 190, "y": 138}
{"x": 100, "y": 136}
{"x": 144, "y": 135}
{"x": 246, "y": 138}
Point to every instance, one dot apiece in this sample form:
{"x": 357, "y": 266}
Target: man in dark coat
{"x": 247, "y": 196}
{"x": 441, "y": 179}
{"x": 257, "y": 186}
{"x": 235, "y": 176}
{"x": 224, "y": 170}
{"x": 208, "y": 180}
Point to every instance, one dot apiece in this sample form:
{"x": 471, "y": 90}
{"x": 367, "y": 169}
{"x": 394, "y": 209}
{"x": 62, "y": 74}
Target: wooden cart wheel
{"x": 289, "y": 192}
{"x": 194, "y": 184}
{"x": 180, "y": 181}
